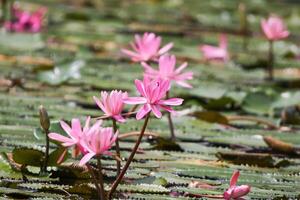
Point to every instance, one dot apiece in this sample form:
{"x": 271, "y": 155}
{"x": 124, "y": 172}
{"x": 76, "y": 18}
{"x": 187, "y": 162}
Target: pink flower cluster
{"x": 220, "y": 52}
{"x": 274, "y": 28}
{"x": 112, "y": 104}
{"x": 234, "y": 191}
{"x": 24, "y": 21}
{"x": 91, "y": 141}
{"x": 96, "y": 140}
{"x": 152, "y": 97}
{"x": 146, "y": 48}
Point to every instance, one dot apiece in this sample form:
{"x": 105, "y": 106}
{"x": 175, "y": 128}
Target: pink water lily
{"x": 112, "y": 104}
{"x": 146, "y": 48}
{"x": 75, "y": 133}
{"x": 152, "y": 97}
{"x": 25, "y": 21}
{"x": 97, "y": 143}
{"x": 234, "y": 191}
{"x": 216, "y": 52}
{"x": 274, "y": 28}
{"x": 167, "y": 71}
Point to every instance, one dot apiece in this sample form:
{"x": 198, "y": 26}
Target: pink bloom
{"x": 25, "y": 21}
{"x": 216, "y": 53}
{"x": 146, "y": 48}
{"x": 112, "y": 104}
{"x": 75, "y": 133}
{"x": 97, "y": 143}
{"x": 236, "y": 192}
{"x": 152, "y": 94}
{"x": 167, "y": 71}
{"x": 274, "y": 28}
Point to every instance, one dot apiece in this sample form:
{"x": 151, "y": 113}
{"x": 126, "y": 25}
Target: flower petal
{"x": 166, "y": 48}
{"x": 86, "y": 158}
{"x": 234, "y": 178}
{"x": 171, "y": 102}
{"x": 155, "y": 110}
{"x": 61, "y": 138}
{"x": 119, "y": 118}
{"x": 240, "y": 191}
{"x": 140, "y": 87}
{"x": 135, "y": 100}
{"x": 66, "y": 128}
{"x": 143, "y": 111}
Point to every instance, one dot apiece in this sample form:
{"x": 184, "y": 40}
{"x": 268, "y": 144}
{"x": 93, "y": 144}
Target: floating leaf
{"x": 211, "y": 116}
{"x": 26, "y": 156}
{"x": 58, "y": 156}
{"x": 258, "y": 102}
{"x": 256, "y": 159}
{"x": 164, "y": 144}
{"x": 21, "y": 41}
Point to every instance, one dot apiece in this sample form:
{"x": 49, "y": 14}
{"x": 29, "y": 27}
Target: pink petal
{"x": 171, "y": 102}
{"x": 86, "y": 158}
{"x": 143, "y": 111}
{"x": 119, "y": 118}
{"x": 240, "y": 191}
{"x": 87, "y": 124}
{"x": 76, "y": 128}
{"x": 149, "y": 70}
{"x": 99, "y": 104}
{"x": 61, "y": 138}
{"x": 131, "y": 54}
{"x": 155, "y": 110}
{"x": 95, "y": 127}
{"x": 135, "y": 100}
{"x": 184, "y": 84}
{"x": 181, "y": 67}
{"x": 140, "y": 87}
{"x": 285, "y": 34}
{"x": 266, "y": 30}
{"x": 166, "y": 48}
{"x": 228, "y": 193}
{"x": 167, "y": 108}
{"x": 66, "y": 128}
{"x": 223, "y": 41}
{"x": 234, "y": 178}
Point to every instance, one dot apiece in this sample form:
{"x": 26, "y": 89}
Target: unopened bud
{"x": 44, "y": 119}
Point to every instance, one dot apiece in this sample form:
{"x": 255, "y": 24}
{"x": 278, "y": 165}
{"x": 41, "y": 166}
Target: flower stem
{"x": 3, "y": 9}
{"x": 95, "y": 181}
{"x": 117, "y": 147}
{"x": 47, "y": 152}
{"x": 171, "y": 125}
{"x": 120, "y": 177}
{"x": 100, "y": 176}
{"x": 270, "y": 61}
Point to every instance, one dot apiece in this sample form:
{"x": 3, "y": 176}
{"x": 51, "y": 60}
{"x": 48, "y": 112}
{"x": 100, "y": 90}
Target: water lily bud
{"x": 44, "y": 119}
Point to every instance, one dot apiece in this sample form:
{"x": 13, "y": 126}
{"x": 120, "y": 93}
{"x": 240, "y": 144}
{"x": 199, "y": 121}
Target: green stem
{"x": 270, "y": 61}
{"x": 120, "y": 177}
{"x": 3, "y": 5}
{"x": 47, "y": 152}
{"x": 100, "y": 176}
{"x": 117, "y": 148}
{"x": 171, "y": 125}
{"x": 95, "y": 181}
